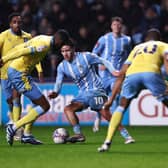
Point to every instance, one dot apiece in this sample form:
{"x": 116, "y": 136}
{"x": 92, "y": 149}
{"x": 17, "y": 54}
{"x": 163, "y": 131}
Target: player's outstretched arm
{"x": 117, "y": 86}
{"x": 18, "y": 52}
{"x": 40, "y": 72}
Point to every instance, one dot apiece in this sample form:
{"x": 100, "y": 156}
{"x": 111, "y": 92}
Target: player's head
{"x": 116, "y": 24}
{"x": 67, "y": 50}
{"x": 60, "y": 37}
{"x": 153, "y": 34}
{"x": 15, "y": 22}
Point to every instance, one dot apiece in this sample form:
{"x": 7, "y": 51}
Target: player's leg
{"x": 42, "y": 106}
{"x": 97, "y": 122}
{"x": 130, "y": 88}
{"x": 24, "y": 84}
{"x": 16, "y": 105}
{"x": 16, "y": 112}
{"x": 107, "y": 84}
{"x": 27, "y": 136}
{"x": 123, "y": 131}
{"x": 69, "y": 111}
{"x": 7, "y": 91}
{"x": 114, "y": 123}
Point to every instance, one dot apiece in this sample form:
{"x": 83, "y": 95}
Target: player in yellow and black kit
{"x": 8, "y": 40}
{"x": 23, "y": 58}
{"x": 141, "y": 70}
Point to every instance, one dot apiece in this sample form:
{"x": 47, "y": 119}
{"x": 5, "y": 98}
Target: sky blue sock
{"x": 76, "y": 129}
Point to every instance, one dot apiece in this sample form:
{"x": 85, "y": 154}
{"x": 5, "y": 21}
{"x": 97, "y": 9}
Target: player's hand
{"x": 116, "y": 73}
{"x": 41, "y": 77}
{"x": 107, "y": 105}
{"x": 52, "y": 95}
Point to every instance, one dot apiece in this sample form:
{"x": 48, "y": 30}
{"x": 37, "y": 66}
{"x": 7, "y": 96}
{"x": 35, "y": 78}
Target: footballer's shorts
{"x": 108, "y": 84}
{"x": 134, "y": 83}
{"x": 92, "y": 98}
{"x": 24, "y": 83}
{"x": 6, "y": 88}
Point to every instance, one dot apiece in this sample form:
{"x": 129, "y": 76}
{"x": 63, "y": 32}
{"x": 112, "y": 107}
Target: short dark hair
{"x": 10, "y": 17}
{"x": 117, "y": 18}
{"x": 64, "y": 35}
{"x": 70, "y": 43}
{"x": 153, "y": 34}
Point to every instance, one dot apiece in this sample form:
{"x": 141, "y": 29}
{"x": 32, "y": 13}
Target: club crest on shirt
{"x": 80, "y": 68}
{"x": 41, "y": 48}
{"x": 25, "y": 39}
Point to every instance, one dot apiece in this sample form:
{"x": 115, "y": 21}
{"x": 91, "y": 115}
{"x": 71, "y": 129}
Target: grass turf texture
{"x": 150, "y": 150}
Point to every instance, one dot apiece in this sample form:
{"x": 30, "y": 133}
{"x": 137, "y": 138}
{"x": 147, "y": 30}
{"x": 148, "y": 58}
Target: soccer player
{"x": 114, "y": 47}
{"x": 141, "y": 70}
{"x": 23, "y": 59}
{"x": 9, "y": 39}
{"x": 80, "y": 66}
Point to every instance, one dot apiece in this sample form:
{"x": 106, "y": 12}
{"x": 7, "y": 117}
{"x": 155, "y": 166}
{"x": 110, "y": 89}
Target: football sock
{"x": 114, "y": 122}
{"x": 28, "y": 127}
{"x": 16, "y": 109}
{"x": 31, "y": 116}
{"x": 76, "y": 129}
{"x": 97, "y": 120}
{"x": 10, "y": 112}
{"x": 124, "y": 133}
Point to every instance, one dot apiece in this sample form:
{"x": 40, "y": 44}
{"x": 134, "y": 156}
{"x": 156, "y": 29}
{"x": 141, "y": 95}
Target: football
{"x": 60, "y": 135}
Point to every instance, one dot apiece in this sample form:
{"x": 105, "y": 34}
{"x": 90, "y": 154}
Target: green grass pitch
{"x": 149, "y": 151}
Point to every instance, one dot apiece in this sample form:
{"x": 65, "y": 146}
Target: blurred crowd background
{"x": 86, "y": 20}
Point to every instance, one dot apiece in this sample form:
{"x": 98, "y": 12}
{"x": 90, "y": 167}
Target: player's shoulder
{"x": 161, "y": 43}
{"x": 43, "y": 37}
{"x": 124, "y": 36}
{"x": 84, "y": 53}
{"x": 5, "y": 33}
{"x": 157, "y": 43}
{"x": 108, "y": 34}
{"x": 25, "y": 34}
{"x": 87, "y": 54}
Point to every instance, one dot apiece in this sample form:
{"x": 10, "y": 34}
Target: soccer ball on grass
{"x": 60, "y": 135}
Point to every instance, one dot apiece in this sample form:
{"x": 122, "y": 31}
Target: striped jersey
{"x": 82, "y": 71}
{"x": 113, "y": 49}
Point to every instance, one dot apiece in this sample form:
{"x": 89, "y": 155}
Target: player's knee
{"x": 67, "y": 110}
{"x": 46, "y": 106}
{"x": 9, "y": 101}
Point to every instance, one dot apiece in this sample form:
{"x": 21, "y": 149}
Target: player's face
{"x": 116, "y": 27}
{"x": 67, "y": 52}
{"x": 15, "y": 24}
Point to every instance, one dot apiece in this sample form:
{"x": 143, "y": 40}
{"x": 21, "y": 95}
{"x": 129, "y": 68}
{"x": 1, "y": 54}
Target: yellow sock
{"x": 16, "y": 113}
{"x": 114, "y": 122}
{"x": 28, "y": 127}
{"x": 10, "y": 115}
{"x": 31, "y": 116}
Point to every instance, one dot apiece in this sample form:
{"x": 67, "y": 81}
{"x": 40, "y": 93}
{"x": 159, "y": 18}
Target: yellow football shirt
{"x": 9, "y": 40}
{"x": 146, "y": 57}
{"x": 25, "y": 56}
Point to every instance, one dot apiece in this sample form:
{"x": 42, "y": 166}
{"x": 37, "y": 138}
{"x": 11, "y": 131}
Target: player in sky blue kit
{"x": 114, "y": 47}
{"x": 80, "y": 66}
